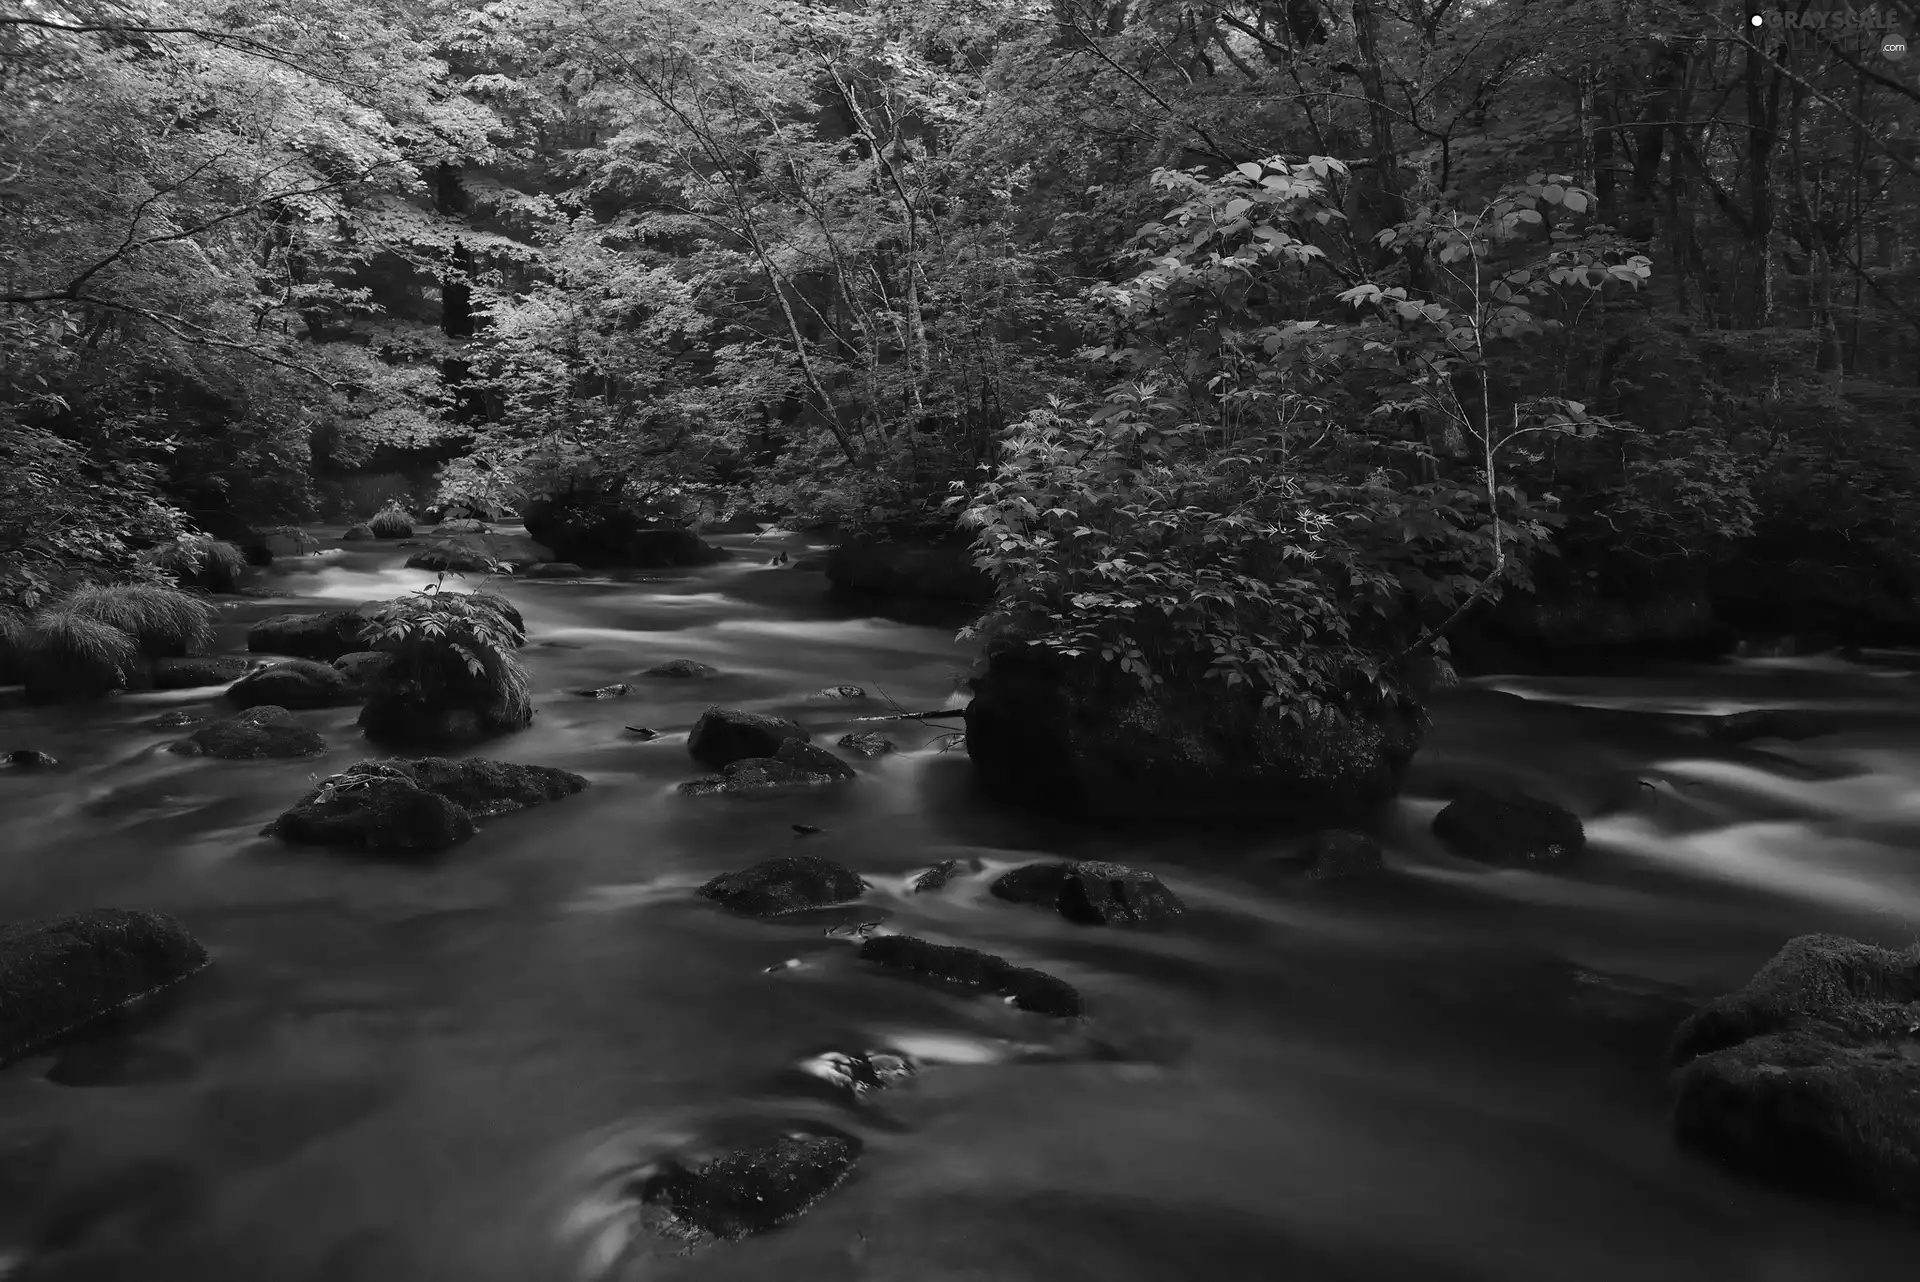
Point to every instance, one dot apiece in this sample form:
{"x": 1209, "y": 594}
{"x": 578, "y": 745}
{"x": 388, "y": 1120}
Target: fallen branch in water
{"x": 917, "y": 716}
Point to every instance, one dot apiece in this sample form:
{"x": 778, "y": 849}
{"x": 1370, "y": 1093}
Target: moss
{"x": 785, "y": 884}
{"x": 58, "y": 975}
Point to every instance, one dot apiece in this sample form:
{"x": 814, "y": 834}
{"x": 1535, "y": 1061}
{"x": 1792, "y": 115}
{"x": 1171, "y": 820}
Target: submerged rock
{"x": 462, "y": 525}
{"x": 937, "y": 877}
{"x": 324, "y": 636}
{"x": 867, "y": 743}
{"x": 179, "y": 719}
{"x": 423, "y": 805}
{"x": 752, "y": 1190}
{"x": 1080, "y": 737}
{"x": 554, "y": 570}
{"x": 1030, "y": 990}
{"x": 1791, "y": 724}
{"x": 1092, "y": 893}
{"x": 617, "y": 691}
{"x": 861, "y": 1073}
{"x": 260, "y": 732}
{"x": 681, "y": 668}
{"x": 293, "y": 683}
{"x": 207, "y": 670}
{"x": 795, "y": 765}
{"x": 838, "y": 693}
{"x": 57, "y": 975}
{"x": 1338, "y": 853}
{"x": 725, "y": 735}
{"x": 1509, "y": 828}
{"x": 1809, "y": 1077}
{"x": 360, "y": 533}
{"x": 785, "y": 884}
{"x": 28, "y": 759}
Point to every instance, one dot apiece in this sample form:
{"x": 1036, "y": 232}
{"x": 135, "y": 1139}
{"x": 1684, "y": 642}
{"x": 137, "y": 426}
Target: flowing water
{"x": 431, "y": 1072}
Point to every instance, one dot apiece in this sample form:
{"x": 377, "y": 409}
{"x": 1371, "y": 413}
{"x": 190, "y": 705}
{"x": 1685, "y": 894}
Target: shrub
{"x": 453, "y": 655}
{"x": 72, "y": 655}
{"x": 163, "y": 622}
{"x": 13, "y": 644}
{"x": 196, "y": 560}
{"x": 391, "y": 522}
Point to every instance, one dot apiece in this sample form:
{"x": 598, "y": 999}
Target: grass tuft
{"x": 391, "y": 522}
{"x": 70, "y": 655}
{"x": 163, "y": 622}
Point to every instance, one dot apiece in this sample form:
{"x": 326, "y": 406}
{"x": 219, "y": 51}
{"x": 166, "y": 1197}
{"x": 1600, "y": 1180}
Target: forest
{"x": 1247, "y": 381}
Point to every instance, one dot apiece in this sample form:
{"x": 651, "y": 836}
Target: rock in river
{"x": 785, "y": 884}
{"x": 1092, "y": 893}
{"x": 1509, "y": 828}
{"x": 294, "y": 683}
{"x": 203, "y": 670}
{"x": 422, "y": 805}
{"x": 1809, "y": 1077}
{"x": 752, "y": 1190}
{"x": 1028, "y": 989}
{"x": 264, "y": 731}
{"x": 684, "y": 668}
{"x": 57, "y": 975}
{"x": 324, "y": 636}
{"x": 726, "y": 735}
{"x": 795, "y": 765}
{"x": 867, "y": 743}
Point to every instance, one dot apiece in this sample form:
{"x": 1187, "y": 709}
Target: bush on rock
{"x": 455, "y": 677}
{"x": 197, "y": 561}
{"x": 391, "y": 522}
{"x": 97, "y": 638}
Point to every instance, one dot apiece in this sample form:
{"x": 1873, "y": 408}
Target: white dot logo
{"x": 1894, "y": 48}
{"x": 1757, "y": 20}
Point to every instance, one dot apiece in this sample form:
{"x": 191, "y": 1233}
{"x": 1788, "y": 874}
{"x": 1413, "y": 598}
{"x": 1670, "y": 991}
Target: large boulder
{"x": 294, "y": 683}
{"x": 417, "y": 806}
{"x": 324, "y": 636}
{"x": 57, "y": 975}
{"x": 1080, "y": 737}
{"x": 785, "y": 884}
{"x": 794, "y": 765}
{"x": 1092, "y": 892}
{"x": 259, "y": 732}
{"x": 363, "y": 667}
{"x": 478, "y": 552}
{"x": 1028, "y": 989}
{"x": 598, "y": 531}
{"x": 749, "y": 1191}
{"x": 725, "y": 735}
{"x": 1508, "y": 828}
{"x": 205, "y": 670}
{"x": 938, "y": 569}
{"x": 1809, "y": 1077}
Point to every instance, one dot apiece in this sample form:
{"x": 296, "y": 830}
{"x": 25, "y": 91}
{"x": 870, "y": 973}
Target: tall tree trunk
{"x": 1383, "y": 188}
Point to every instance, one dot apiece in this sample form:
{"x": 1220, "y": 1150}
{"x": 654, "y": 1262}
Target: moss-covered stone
{"x": 1029, "y": 989}
{"x": 725, "y": 735}
{"x": 420, "y": 806}
{"x": 257, "y": 733}
{"x": 1509, "y": 828}
{"x": 293, "y": 683}
{"x": 325, "y": 636}
{"x": 785, "y": 884}
{"x": 202, "y": 670}
{"x": 57, "y": 975}
{"x": 754, "y": 1190}
{"x": 1809, "y": 1077}
{"x": 1091, "y": 892}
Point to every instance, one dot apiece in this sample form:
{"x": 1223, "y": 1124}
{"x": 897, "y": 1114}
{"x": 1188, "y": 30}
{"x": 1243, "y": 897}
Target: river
{"x": 451, "y": 1071}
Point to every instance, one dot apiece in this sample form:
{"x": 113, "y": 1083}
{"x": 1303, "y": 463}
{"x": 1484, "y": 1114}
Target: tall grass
{"x": 391, "y": 522}
{"x": 163, "y": 622}
{"x": 70, "y": 655}
{"x": 197, "y": 560}
{"x": 13, "y": 644}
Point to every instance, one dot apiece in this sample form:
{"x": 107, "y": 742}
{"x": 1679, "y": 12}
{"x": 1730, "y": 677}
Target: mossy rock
{"x": 1809, "y": 1077}
{"x": 785, "y": 884}
{"x": 293, "y": 683}
{"x": 417, "y": 806}
{"x": 58, "y": 975}
{"x": 257, "y": 733}
{"x": 725, "y": 735}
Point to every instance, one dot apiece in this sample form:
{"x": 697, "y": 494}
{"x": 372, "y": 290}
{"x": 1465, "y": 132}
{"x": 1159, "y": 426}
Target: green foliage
{"x": 195, "y": 560}
{"x": 455, "y": 649}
